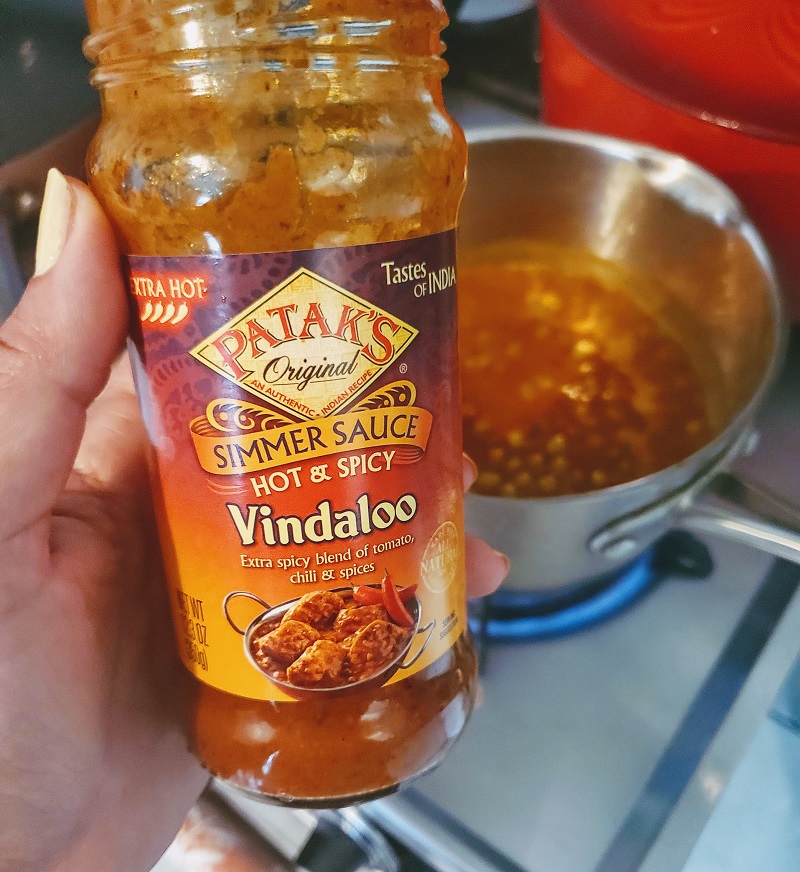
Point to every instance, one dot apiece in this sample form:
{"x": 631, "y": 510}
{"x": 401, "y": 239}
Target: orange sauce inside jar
{"x": 569, "y": 384}
{"x": 267, "y": 147}
{"x": 277, "y": 147}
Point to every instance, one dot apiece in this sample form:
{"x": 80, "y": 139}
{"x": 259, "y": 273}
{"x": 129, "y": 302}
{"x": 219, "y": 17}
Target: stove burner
{"x": 525, "y": 616}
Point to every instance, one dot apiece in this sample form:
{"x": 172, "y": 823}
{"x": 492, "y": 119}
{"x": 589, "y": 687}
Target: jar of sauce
{"x": 284, "y": 181}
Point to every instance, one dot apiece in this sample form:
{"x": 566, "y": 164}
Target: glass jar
{"x": 284, "y": 181}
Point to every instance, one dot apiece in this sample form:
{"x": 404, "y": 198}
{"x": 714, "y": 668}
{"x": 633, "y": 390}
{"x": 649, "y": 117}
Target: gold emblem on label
{"x": 441, "y": 558}
{"x": 308, "y": 346}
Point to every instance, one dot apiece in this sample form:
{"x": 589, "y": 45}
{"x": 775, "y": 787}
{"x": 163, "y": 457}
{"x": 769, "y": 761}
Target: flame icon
{"x": 161, "y": 314}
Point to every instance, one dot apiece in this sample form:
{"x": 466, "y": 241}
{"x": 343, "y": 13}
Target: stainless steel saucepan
{"x": 659, "y": 215}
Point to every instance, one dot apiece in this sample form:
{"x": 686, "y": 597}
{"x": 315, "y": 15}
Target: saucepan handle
{"x": 735, "y": 508}
{"x": 237, "y": 593}
{"x": 627, "y": 535}
{"x": 428, "y": 628}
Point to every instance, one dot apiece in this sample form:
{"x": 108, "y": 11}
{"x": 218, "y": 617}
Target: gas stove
{"x": 584, "y": 744}
{"x": 529, "y": 616}
{"x": 610, "y": 726}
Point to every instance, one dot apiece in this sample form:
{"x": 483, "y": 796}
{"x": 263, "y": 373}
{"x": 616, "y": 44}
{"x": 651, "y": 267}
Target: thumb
{"x": 56, "y": 350}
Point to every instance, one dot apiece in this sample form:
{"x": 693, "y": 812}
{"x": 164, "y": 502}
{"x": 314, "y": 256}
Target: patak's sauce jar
{"x": 285, "y": 181}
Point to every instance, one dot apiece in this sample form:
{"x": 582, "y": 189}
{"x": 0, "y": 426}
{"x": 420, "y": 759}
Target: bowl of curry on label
{"x": 336, "y": 641}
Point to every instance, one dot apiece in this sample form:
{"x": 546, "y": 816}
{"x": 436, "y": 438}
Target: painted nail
{"x": 470, "y": 472}
{"x": 54, "y": 221}
{"x": 502, "y": 558}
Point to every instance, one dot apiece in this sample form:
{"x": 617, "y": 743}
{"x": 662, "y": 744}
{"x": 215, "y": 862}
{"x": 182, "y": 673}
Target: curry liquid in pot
{"x": 569, "y": 384}
{"x": 285, "y": 181}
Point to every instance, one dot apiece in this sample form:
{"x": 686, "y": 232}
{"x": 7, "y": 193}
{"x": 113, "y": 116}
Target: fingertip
{"x": 73, "y": 314}
{"x": 486, "y": 568}
{"x": 470, "y": 472}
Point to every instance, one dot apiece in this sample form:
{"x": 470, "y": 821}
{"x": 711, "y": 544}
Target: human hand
{"x": 94, "y": 769}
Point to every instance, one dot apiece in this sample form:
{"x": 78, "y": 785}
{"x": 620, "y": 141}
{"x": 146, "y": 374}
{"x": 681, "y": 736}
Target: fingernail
{"x": 53, "y": 221}
{"x": 504, "y": 560}
{"x": 470, "y": 472}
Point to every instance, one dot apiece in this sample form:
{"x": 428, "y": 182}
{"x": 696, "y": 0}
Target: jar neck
{"x": 134, "y": 38}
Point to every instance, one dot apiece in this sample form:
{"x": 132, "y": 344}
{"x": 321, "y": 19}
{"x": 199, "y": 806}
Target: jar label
{"x": 304, "y": 413}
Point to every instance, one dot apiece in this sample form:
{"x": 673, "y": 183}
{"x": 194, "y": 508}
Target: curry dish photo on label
{"x": 327, "y": 640}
